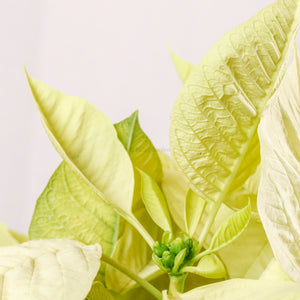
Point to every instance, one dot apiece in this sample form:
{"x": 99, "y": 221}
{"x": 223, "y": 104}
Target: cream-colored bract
{"x": 48, "y": 269}
{"x": 279, "y": 191}
{"x": 86, "y": 139}
{"x": 243, "y": 289}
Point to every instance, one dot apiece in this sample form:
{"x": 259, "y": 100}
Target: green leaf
{"x": 86, "y": 139}
{"x": 279, "y": 193}
{"x": 210, "y": 266}
{"x": 48, "y": 269}
{"x": 133, "y": 252}
{"x": 6, "y": 238}
{"x": 142, "y": 153}
{"x": 179, "y": 258}
{"x": 69, "y": 208}
{"x": 214, "y": 120}
{"x": 231, "y": 229}
{"x": 99, "y": 291}
{"x": 140, "y": 149}
{"x": 155, "y": 202}
{"x": 237, "y": 289}
{"x": 183, "y": 67}
{"x": 175, "y": 187}
{"x": 194, "y": 207}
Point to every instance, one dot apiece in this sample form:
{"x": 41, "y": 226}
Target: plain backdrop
{"x": 113, "y": 53}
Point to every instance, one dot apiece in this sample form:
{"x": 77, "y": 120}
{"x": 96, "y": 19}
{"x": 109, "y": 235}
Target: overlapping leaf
{"x": 279, "y": 191}
{"x": 69, "y": 208}
{"x": 215, "y": 118}
{"x": 48, "y": 269}
{"x": 87, "y": 141}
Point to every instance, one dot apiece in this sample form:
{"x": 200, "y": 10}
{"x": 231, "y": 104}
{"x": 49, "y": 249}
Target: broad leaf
{"x": 209, "y": 266}
{"x": 214, "y": 120}
{"x": 237, "y": 289}
{"x": 155, "y": 202}
{"x": 48, "y": 269}
{"x": 279, "y": 191}
{"x": 86, "y": 139}
{"x": 175, "y": 188}
{"x": 69, "y": 208}
{"x": 231, "y": 229}
{"x": 194, "y": 208}
{"x": 183, "y": 67}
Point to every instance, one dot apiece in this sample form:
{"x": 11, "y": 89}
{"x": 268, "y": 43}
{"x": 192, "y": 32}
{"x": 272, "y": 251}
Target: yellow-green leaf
{"x": 194, "y": 207}
{"x": 183, "y": 67}
{"x": 175, "y": 187}
{"x": 231, "y": 229}
{"x": 86, "y": 139}
{"x": 155, "y": 202}
{"x": 6, "y": 238}
{"x": 141, "y": 151}
{"x": 209, "y": 266}
{"x": 69, "y": 208}
{"x": 99, "y": 291}
{"x": 214, "y": 120}
{"x": 139, "y": 147}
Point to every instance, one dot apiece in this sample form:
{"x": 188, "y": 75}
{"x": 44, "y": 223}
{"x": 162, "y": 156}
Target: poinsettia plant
{"x": 218, "y": 220}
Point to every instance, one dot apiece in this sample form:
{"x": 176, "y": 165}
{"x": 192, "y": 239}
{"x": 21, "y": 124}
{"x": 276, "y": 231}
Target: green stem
{"x": 142, "y": 282}
{"x": 200, "y": 255}
{"x": 176, "y": 285}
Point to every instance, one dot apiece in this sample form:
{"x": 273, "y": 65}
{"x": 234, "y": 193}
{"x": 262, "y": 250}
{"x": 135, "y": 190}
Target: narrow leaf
{"x": 279, "y": 193}
{"x": 214, "y": 120}
{"x": 183, "y": 67}
{"x": 194, "y": 207}
{"x": 139, "y": 147}
{"x": 69, "y": 208}
{"x": 231, "y": 229}
{"x": 155, "y": 202}
{"x": 48, "y": 269}
{"x": 87, "y": 141}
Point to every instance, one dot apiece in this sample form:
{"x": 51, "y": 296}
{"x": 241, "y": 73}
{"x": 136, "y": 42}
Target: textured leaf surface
{"x": 237, "y": 289}
{"x": 215, "y": 118}
{"x": 86, "y": 139}
{"x": 231, "y": 229}
{"x": 279, "y": 192}
{"x": 194, "y": 207}
{"x": 155, "y": 202}
{"x": 69, "y": 208}
{"x": 48, "y": 269}
{"x": 183, "y": 67}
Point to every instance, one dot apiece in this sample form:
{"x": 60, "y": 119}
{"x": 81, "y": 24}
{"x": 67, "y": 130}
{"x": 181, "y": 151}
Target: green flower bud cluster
{"x": 171, "y": 256}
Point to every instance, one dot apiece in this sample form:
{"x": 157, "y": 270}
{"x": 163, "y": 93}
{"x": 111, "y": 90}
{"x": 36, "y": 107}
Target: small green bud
{"x": 159, "y": 248}
{"x": 179, "y": 259}
{"x": 189, "y": 243}
{"x": 168, "y": 259}
{"x": 177, "y": 245}
{"x": 166, "y": 237}
{"x": 159, "y": 263}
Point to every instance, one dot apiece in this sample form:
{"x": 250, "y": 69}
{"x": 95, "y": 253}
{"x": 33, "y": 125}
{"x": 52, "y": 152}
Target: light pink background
{"x": 113, "y": 53}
